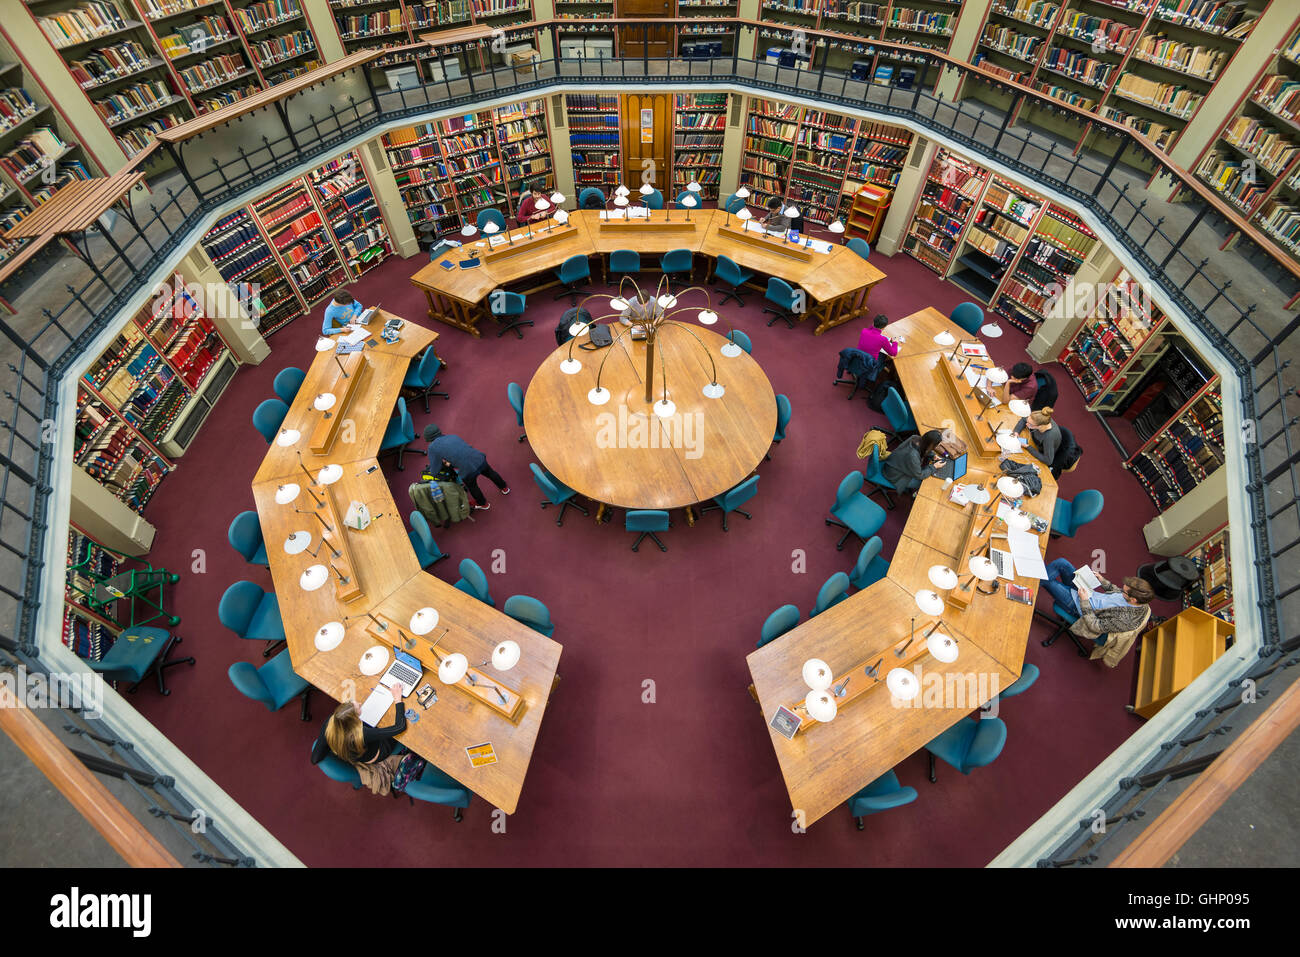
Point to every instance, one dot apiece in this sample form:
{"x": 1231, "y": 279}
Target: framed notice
{"x": 785, "y": 722}
{"x": 481, "y": 755}
{"x": 647, "y": 126}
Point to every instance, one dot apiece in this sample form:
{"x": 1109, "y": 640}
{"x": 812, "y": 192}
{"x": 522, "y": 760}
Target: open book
{"x": 1086, "y": 581}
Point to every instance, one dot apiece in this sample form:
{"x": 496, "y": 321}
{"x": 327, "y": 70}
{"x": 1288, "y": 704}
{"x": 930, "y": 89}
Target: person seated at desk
{"x": 468, "y": 462}
{"x": 914, "y": 461}
{"x": 339, "y": 313}
{"x": 369, "y": 750}
{"x": 775, "y": 218}
{"x": 1044, "y": 435}
{"x": 873, "y": 341}
{"x": 1021, "y": 382}
{"x": 1110, "y": 610}
{"x": 528, "y": 211}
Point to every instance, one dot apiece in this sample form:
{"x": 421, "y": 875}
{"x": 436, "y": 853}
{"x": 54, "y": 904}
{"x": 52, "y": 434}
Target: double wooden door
{"x": 637, "y": 40}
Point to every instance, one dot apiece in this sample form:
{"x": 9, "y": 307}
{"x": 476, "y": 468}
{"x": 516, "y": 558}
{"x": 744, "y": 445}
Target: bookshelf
{"x": 242, "y": 255}
{"x": 1173, "y": 654}
{"x": 388, "y": 24}
{"x": 1057, "y": 248}
{"x": 823, "y": 149}
{"x": 88, "y": 633}
{"x": 346, "y": 200}
{"x": 768, "y": 151}
{"x": 699, "y": 128}
{"x": 473, "y": 166}
{"x": 415, "y": 156}
{"x": 278, "y": 38}
{"x": 1213, "y": 593}
{"x": 1183, "y": 451}
{"x": 524, "y": 143}
{"x": 948, "y": 199}
{"x": 1000, "y": 224}
{"x": 701, "y": 30}
{"x": 299, "y": 238}
{"x": 593, "y": 120}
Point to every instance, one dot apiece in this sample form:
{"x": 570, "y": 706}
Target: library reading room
{"x": 938, "y": 509}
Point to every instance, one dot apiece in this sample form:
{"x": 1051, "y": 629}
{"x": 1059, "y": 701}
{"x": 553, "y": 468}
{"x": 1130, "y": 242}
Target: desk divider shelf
{"x": 649, "y": 225}
{"x": 484, "y": 691}
{"x": 972, "y": 407}
{"x": 338, "y": 540}
{"x": 765, "y": 242}
{"x": 529, "y": 244}
{"x": 326, "y": 430}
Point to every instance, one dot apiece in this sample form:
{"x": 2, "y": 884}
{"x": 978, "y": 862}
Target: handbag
{"x": 599, "y": 336}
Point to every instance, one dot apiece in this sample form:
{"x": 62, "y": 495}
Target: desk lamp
{"x": 557, "y": 198}
{"x": 1007, "y": 487}
{"x": 978, "y": 495}
{"x": 330, "y": 474}
{"x": 324, "y": 402}
{"x": 690, "y": 202}
{"x": 424, "y": 621}
{"x": 744, "y": 215}
{"x": 297, "y": 542}
{"x": 821, "y": 706}
{"x": 491, "y": 229}
{"x": 505, "y": 655}
{"x": 991, "y": 328}
{"x": 1009, "y": 443}
{"x": 694, "y": 187}
{"x": 452, "y": 668}
{"x": 982, "y": 567}
{"x": 942, "y": 647}
{"x": 468, "y": 231}
{"x": 561, "y": 216}
{"x": 286, "y": 493}
{"x": 945, "y": 338}
{"x": 287, "y": 437}
{"x": 942, "y": 577}
{"x": 325, "y": 343}
{"x": 314, "y": 577}
{"x": 741, "y": 194}
{"x": 836, "y": 227}
{"x": 329, "y": 635}
{"x": 543, "y": 205}
{"x": 1019, "y": 408}
{"x": 817, "y": 674}
{"x": 902, "y": 684}
{"x": 622, "y": 190}
{"x": 620, "y": 202}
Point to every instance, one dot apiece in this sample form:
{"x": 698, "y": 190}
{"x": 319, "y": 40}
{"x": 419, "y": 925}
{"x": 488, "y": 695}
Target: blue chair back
{"x": 1085, "y": 507}
{"x": 897, "y": 412}
{"x": 729, "y": 271}
{"x": 401, "y": 430}
{"x": 783, "y": 411}
{"x": 476, "y": 581}
{"x": 875, "y": 471}
{"x": 516, "y": 396}
{"x": 509, "y": 304}
{"x": 734, "y": 498}
{"x": 734, "y": 204}
{"x": 435, "y": 787}
{"x": 624, "y": 260}
{"x": 742, "y": 340}
{"x": 426, "y": 370}
{"x": 677, "y": 260}
{"x": 969, "y": 316}
{"x": 245, "y": 536}
{"x": 780, "y": 292}
{"x": 989, "y": 740}
{"x": 654, "y": 200}
{"x": 870, "y": 553}
{"x": 883, "y": 793}
{"x": 591, "y": 195}
{"x": 268, "y": 416}
{"x": 1028, "y": 675}
{"x": 531, "y": 612}
{"x": 574, "y": 268}
{"x": 287, "y": 383}
{"x": 860, "y": 246}
{"x": 336, "y": 769}
{"x": 849, "y": 487}
{"x": 556, "y": 492}
{"x": 238, "y": 605}
{"x": 645, "y": 520}
{"x": 490, "y": 215}
{"x": 249, "y": 683}
{"x": 778, "y": 623}
{"x": 833, "y": 591}
{"x": 424, "y": 536}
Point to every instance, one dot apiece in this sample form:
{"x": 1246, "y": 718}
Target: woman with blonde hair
{"x": 1044, "y": 435}
{"x": 369, "y": 750}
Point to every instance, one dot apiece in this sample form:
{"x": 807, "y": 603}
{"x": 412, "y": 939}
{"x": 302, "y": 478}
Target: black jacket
{"x": 379, "y": 743}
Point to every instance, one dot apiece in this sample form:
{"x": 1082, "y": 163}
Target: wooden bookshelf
{"x": 593, "y": 121}
{"x": 699, "y": 129}
{"x": 1183, "y": 451}
{"x": 952, "y": 191}
{"x": 1213, "y": 593}
{"x": 1174, "y": 653}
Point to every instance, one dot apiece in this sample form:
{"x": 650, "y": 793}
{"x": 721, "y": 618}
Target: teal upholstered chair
{"x": 508, "y": 309}
{"x": 899, "y": 413}
{"x": 854, "y": 512}
{"x": 474, "y": 582}
{"x": 833, "y": 591}
{"x": 742, "y": 340}
{"x": 876, "y": 476}
{"x": 531, "y": 612}
{"x": 573, "y": 273}
{"x": 647, "y": 521}
{"x": 734, "y": 204}
{"x": 336, "y": 769}
{"x": 653, "y": 200}
{"x": 970, "y": 743}
{"x": 728, "y": 272}
{"x": 399, "y": 434}
{"x": 252, "y": 613}
{"x": 969, "y": 316}
{"x": 782, "y": 295}
{"x": 268, "y": 416}
{"x": 778, "y": 623}
{"x": 287, "y": 383}
{"x": 1028, "y": 675}
{"x": 591, "y": 198}
{"x": 245, "y": 536}
{"x": 138, "y": 653}
{"x": 677, "y": 261}
{"x": 783, "y": 413}
{"x": 1071, "y": 515}
{"x": 556, "y": 492}
{"x": 1065, "y": 617}
{"x": 515, "y": 395}
{"x": 422, "y": 376}
{"x": 880, "y": 795}
{"x": 870, "y": 567}
{"x": 426, "y": 549}
{"x": 731, "y": 500}
{"x": 274, "y": 684}
{"x": 437, "y": 787}
{"x": 490, "y": 215}
{"x": 861, "y": 247}
{"x": 624, "y": 262}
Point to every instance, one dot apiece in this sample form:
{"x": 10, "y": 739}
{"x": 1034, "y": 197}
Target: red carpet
{"x": 690, "y": 779}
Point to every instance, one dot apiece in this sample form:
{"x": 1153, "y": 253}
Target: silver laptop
{"x": 405, "y": 670}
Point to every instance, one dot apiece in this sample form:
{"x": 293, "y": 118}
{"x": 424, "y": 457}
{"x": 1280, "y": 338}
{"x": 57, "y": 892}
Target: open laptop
{"x": 1002, "y": 562}
{"x": 405, "y": 670}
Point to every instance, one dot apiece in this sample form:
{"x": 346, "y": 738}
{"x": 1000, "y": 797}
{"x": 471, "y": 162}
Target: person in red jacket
{"x": 528, "y": 211}
{"x": 873, "y": 341}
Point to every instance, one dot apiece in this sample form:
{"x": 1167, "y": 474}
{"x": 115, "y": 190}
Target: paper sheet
{"x": 1025, "y": 552}
{"x": 373, "y": 710}
{"x": 356, "y": 335}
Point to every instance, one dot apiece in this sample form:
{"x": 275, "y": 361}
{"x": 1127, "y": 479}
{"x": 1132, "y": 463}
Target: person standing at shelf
{"x": 342, "y": 309}
{"x": 873, "y": 341}
{"x": 468, "y": 462}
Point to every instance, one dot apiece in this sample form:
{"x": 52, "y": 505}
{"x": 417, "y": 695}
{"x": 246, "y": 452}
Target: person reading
{"x": 343, "y": 308}
{"x": 1104, "y": 609}
{"x": 873, "y": 341}
{"x": 914, "y": 461}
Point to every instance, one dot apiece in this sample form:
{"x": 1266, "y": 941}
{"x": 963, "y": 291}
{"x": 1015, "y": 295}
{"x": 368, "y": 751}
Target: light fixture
{"x": 942, "y": 577}
{"x": 314, "y": 577}
{"x": 978, "y": 495}
{"x": 557, "y": 198}
{"x": 945, "y": 338}
{"x": 324, "y": 402}
{"x": 287, "y": 437}
{"x": 982, "y": 567}
{"x": 708, "y": 317}
{"x": 505, "y": 655}
{"x": 997, "y": 376}
{"x": 991, "y": 329}
{"x": 744, "y": 215}
{"x": 329, "y": 474}
{"x": 743, "y": 192}
{"x": 297, "y": 542}
{"x": 1019, "y": 408}
{"x": 542, "y": 204}
{"x": 714, "y": 390}
{"x": 286, "y": 493}
{"x": 929, "y": 602}
{"x": 452, "y": 668}
{"x": 693, "y": 186}
{"x": 325, "y": 344}
{"x": 468, "y": 231}
{"x": 561, "y": 216}
{"x": 817, "y": 674}
{"x": 329, "y": 636}
{"x": 821, "y": 706}
{"x": 1010, "y": 487}
{"x": 666, "y": 301}
{"x": 902, "y": 684}
{"x": 598, "y": 396}
{"x": 620, "y": 201}
{"x": 730, "y": 348}
{"x": 624, "y": 191}
{"x": 374, "y": 660}
{"x": 690, "y": 202}
{"x": 646, "y": 189}
{"x": 1018, "y": 520}
{"x": 1009, "y": 443}
{"x": 618, "y": 304}
{"x": 665, "y": 408}
{"x": 835, "y": 226}
{"x": 424, "y": 621}
{"x": 942, "y": 647}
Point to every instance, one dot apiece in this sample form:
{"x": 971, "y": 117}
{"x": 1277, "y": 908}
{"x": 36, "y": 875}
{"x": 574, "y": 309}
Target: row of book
{"x": 36, "y": 150}
{"x": 1231, "y": 178}
{"x": 355, "y": 26}
{"x": 1272, "y": 148}
{"x": 110, "y": 63}
{"x": 1205, "y": 62}
{"x": 923, "y": 21}
{"x": 1020, "y": 45}
{"x": 277, "y": 49}
{"x": 120, "y": 106}
{"x": 195, "y": 37}
{"x": 267, "y": 13}
{"x": 1081, "y": 66}
{"x": 1279, "y": 94}
{"x": 1067, "y": 95}
{"x": 210, "y": 73}
{"x": 1169, "y": 97}
{"x": 1224, "y": 17}
{"x": 1115, "y": 34}
{"x": 1038, "y": 12}
{"x": 86, "y": 22}
{"x": 15, "y": 106}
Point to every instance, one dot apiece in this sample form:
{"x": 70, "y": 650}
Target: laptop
{"x": 405, "y": 670}
{"x": 1002, "y": 562}
{"x": 958, "y": 467}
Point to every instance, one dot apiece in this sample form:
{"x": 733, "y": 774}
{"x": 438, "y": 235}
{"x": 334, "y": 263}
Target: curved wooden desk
{"x": 826, "y": 764}
{"x": 837, "y": 283}
{"x": 384, "y": 578}
{"x": 621, "y": 453}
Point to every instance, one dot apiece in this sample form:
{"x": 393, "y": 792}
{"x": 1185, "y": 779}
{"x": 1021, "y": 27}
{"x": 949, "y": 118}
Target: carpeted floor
{"x": 691, "y": 778}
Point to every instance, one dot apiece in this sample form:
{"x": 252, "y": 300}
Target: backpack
{"x": 876, "y": 401}
{"x": 873, "y": 439}
{"x": 1069, "y": 453}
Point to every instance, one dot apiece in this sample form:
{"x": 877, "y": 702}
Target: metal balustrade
{"x": 1237, "y": 299}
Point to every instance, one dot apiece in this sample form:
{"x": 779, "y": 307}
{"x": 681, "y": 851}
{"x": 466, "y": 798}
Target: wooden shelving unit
{"x": 699, "y": 128}
{"x": 242, "y": 254}
{"x": 1183, "y": 451}
{"x": 1213, "y": 593}
{"x": 389, "y": 24}
{"x": 1121, "y": 338}
{"x": 1174, "y": 653}
{"x": 952, "y": 191}
{"x": 593, "y": 121}
{"x": 1058, "y": 247}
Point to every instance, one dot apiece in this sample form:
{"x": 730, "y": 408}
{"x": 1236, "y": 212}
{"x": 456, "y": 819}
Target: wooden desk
{"x": 386, "y": 580}
{"x": 838, "y": 282}
{"x": 826, "y": 764}
{"x": 621, "y": 453}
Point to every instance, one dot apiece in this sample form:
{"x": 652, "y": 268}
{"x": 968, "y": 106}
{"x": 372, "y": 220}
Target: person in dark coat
{"x": 468, "y": 462}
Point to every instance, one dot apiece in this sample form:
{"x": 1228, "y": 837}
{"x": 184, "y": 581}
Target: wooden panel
{"x": 647, "y": 159}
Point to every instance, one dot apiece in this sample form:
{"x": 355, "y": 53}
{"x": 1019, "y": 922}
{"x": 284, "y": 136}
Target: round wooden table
{"x": 621, "y": 453}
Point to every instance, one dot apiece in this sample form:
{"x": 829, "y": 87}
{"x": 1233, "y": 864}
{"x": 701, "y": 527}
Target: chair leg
{"x": 163, "y": 663}
{"x": 859, "y": 822}
{"x": 847, "y": 532}
{"x": 1084, "y": 652}
{"x": 933, "y": 777}
{"x": 306, "y": 705}
{"x": 569, "y": 504}
{"x": 271, "y": 645}
{"x": 662, "y": 546}
{"x": 637, "y": 544}
{"x": 1048, "y": 642}
{"x": 457, "y": 816}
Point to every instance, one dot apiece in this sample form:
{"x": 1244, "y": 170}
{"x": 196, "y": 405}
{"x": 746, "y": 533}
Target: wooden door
{"x": 652, "y": 41}
{"x": 647, "y": 136}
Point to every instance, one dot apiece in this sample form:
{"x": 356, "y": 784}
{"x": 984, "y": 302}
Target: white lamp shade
{"x": 1008, "y": 443}
{"x": 490, "y": 228}
{"x": 598, "y": 396}
{"x": 667, "y": 301}
{"x": 557, "y": 198}
{"x": 690, "y": 202}
{"x": 468, "y": 230}
{"x": 708, "y": 317}
{"x": 570, "y": 366}
{"x": 978, "y": 494}
{"x": 1019, "y": 521}
{"x": 1010, "y": 487}
{"x": 329, "y": 635}
{"x": 743, "y": 193}
{"x": 998, "y": 375}
{"x": 620, "y": 200}
{"x": 329, "y": 474}
{"x": 618, "y": 304}
{"x": 646, "y": 189}
{"x": 286, "y": 493}
{"x": 325, "y": 344}
{"x": 836, "y": 227}
{"x": 665, "y": 408}
{"x": 791, "y": 211}
{"x": 374, "y": 660}
{"x": 297, "y": 543}
{"x": 902, "y": 684}
{"x": 314, "y": 577}
{"x": 929, "y": 602}
{"x": 983, "y": 569}
{"x": 693, "y": 186}
{"x": 505, "y": 655}
{"x": 731, "y": 350}
{"x": 541, "y": 204}
{"x": 324, "y": 402}
{"x": 561, "y": 216}
{"x": 1019, "y": 407}
{"x": 287, "y": 437}
{"x": 992, "y": 330}
{"x": 821, "y": 706}
{"x": 744, "y": 213}
{"x": 622, "y": 190}
{"x": 817, "y": 674}
{"x": 714, "y": 390}
{"x": 453, "y": 668}
{"x": 945, "y": 338}
{"x": 943, "y": 577}
{"x": 424, "y": 621}
{"x": 578, "y": 328}
{"x": 942, "y": 647}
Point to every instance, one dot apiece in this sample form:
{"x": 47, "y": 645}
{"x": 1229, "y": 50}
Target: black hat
{"x": 431, "y": 432}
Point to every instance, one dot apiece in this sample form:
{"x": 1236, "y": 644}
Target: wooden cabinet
{"x": 1174, "y": 653}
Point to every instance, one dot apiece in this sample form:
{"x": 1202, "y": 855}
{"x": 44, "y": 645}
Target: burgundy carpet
{"x": 690, "y": 779}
